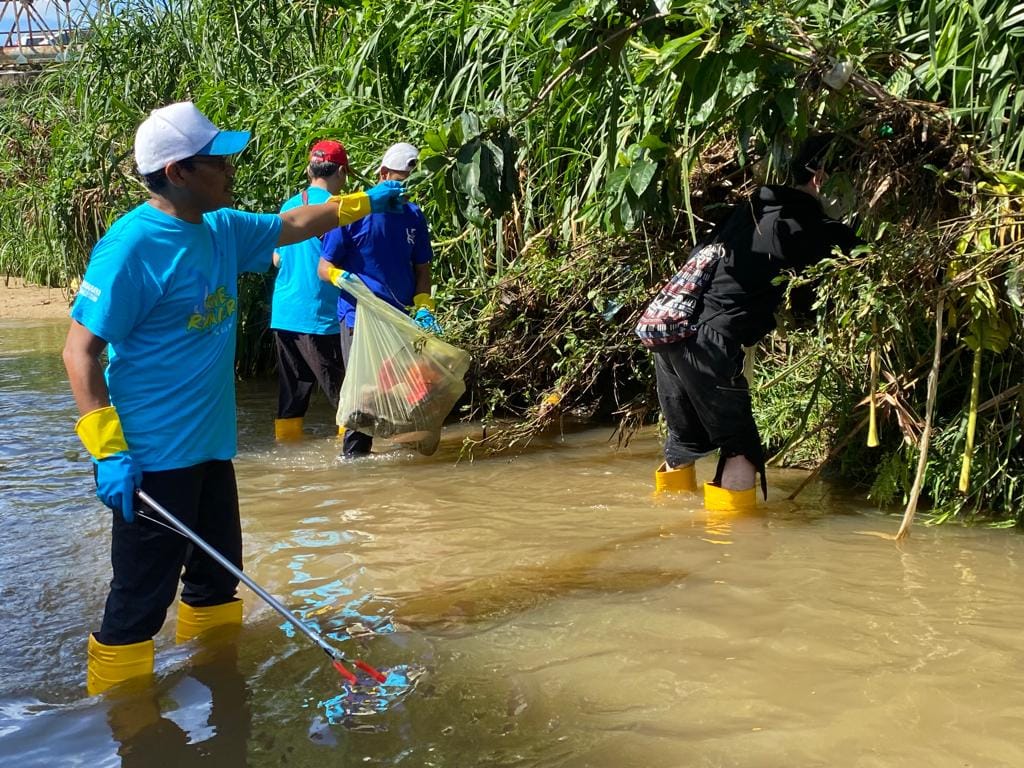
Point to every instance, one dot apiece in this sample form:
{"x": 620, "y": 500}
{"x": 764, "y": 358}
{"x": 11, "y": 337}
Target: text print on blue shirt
{"x": 218, "y": 308}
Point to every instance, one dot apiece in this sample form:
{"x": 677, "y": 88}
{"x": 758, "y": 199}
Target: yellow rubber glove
{"x": 101, "y": 434}
{"x": 351, "y": 207}
{"x": 424, "y": 300}
{"x": 384, "y": 197}
{"x": 117, "y": 474}
{"x": 337, "y": 276}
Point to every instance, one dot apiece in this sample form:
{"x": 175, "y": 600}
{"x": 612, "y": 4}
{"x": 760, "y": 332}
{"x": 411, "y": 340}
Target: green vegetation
{"x": 573, "y": 151}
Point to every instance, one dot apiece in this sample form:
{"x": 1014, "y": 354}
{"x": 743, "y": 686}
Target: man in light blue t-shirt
{"x": 304, "y": 309}
{"x": 160, "y": 297}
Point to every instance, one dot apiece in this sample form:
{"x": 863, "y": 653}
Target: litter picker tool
{"x": 338, "y": 659}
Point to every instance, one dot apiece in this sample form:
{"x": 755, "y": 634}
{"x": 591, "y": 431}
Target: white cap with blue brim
{"x": 180, "y": 130}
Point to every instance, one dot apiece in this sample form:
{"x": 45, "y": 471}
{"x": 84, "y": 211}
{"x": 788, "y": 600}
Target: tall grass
{"x": 573, "y": 149}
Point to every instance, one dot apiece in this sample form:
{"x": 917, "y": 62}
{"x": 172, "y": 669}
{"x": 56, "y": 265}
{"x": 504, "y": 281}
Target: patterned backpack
{"x": 673, "y": 314}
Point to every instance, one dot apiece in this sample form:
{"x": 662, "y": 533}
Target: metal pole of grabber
{"x": 234, "y": 570}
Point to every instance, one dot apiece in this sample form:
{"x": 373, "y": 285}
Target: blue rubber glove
{"x": 386, "y": 197}
{"x": 424, "y": 306}
{"x": 117, "y": 477}
{"x": 425, "y": 319}
{"x": 117, "y": 474}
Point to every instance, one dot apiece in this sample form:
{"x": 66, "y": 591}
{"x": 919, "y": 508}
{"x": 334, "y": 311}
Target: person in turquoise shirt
{"x": 160, "y": 298}
{"x": 303, "y": 312}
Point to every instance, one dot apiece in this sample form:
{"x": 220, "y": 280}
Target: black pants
{"x": 148, "y": 558}
{"x": 303, "y": 361}
{"x": 705, "y": 400}
{"x": 353, "y": 443}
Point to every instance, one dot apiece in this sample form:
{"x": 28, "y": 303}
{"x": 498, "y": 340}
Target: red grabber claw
{"x": 376, "y": 675}
{"x": 344, "y": 672}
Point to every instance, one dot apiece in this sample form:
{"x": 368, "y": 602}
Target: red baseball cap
{"x": 328, "y": 151}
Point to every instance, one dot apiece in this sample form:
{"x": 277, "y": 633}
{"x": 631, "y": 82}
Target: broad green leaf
{"x": 435, "y": 141}
{"x": 616, "y": 180}
{"x": 628, "y": 212}
{"x": 468, "y": 167}
{"x": 456, "y": 134}
{"x": 678, "y": 48}
{"x": 434, "y": 163}
{"x": 704, "y": 97}
{"x": 470, "y": 125}
{"x": 562, "y": 14}
{"x": 786, "y": 101}
{"x": 988, "y": 333}
{"x": 653, "y": 142}
{"x": 641, "y": 174}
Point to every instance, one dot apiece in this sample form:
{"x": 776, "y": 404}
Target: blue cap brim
{"x": 226, "y": 143}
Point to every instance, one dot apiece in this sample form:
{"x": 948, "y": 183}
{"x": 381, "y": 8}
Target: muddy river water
{"x": 536, "y": 610}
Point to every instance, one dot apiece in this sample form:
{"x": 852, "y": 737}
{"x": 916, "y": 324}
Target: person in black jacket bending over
{"x": 704, "y": 396}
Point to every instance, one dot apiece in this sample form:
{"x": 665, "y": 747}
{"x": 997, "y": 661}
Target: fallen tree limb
{"x": 926, "y": 433}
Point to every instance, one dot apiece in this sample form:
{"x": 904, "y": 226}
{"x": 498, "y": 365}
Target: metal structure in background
{"x": 32, "y": 40}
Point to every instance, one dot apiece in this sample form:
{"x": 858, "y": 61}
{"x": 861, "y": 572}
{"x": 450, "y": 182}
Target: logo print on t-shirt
{"x": 218, "y": 307}
{"x": 410, "y": 235}
{"x": 90, "y": 291}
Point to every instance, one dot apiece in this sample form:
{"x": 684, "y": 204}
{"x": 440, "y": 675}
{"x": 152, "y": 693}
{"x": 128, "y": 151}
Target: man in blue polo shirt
{"x": 391, "y": 253}
{"x": 304, "y": 310}
{"x": 160, "y": 297}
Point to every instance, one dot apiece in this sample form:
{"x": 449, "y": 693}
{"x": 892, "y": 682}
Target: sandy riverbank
{"x": 21, "y": 301}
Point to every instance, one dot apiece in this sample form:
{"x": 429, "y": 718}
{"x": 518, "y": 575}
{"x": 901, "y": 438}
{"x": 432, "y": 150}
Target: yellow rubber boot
{"x": 192, "y": 622}
{"x": 718, "y": 499}
{"x": 678, "y": 479}
{"x": 288, "y": 429}
{"x": 109, "y": 665}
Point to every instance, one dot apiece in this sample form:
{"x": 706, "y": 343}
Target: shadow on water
{"x": 198, "y": 714}
{"x": 593, "y": 571}
{"x": 205, "y": 714}
{"x": 493, "y": 597}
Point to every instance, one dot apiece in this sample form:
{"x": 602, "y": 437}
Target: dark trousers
{"x": 353, "y": 443}
{"x": 148, "y": 558}
{"x": 305, "y": 360}
{"x": 705, "y": 400}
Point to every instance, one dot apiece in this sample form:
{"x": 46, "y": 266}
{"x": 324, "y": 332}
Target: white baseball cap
{"x": 178, "y": 131}
{"x": 400, "y": 157}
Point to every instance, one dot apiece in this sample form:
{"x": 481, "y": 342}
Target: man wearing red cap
{"x": 304, "y": 309}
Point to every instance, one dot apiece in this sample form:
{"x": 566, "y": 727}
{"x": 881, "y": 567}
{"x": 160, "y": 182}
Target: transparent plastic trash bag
{"x": 401, "y": 382}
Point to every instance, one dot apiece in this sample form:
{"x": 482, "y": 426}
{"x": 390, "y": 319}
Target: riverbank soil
{"x": 23, "y": 301}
